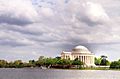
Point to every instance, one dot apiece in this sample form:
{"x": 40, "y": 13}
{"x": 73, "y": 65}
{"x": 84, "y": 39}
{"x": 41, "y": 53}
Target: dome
{"x": 80, "y": 49}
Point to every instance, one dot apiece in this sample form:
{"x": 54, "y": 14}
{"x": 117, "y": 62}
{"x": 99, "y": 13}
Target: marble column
{"x": 90, "y": 60}
{"x": 82, "y": 58}
{"x": 93, "y": 60}
{"x": 85, "y": 59}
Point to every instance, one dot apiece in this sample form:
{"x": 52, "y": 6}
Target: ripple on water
{"x": 36, "y": 73}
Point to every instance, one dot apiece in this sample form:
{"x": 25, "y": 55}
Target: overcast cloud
{"x": 30, "y": 28}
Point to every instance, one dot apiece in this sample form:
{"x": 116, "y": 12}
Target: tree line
{"x": 115, "y": 64}
{"x": 102, "y": 61}
{"x": 56, "y": 62}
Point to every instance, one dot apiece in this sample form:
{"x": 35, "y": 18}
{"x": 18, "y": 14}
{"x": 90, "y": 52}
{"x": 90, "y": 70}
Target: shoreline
{"x": 64, "y": 69}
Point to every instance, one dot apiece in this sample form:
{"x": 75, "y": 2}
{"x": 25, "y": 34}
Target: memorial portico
{"x": 82, "y": 53}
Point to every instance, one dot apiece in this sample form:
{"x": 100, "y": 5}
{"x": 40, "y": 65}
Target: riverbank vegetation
{"x": 115, "y": 64}
{"x": 101, "y": 63}
{"x": 56, "y": 62}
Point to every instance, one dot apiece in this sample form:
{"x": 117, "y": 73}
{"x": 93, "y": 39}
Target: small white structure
{"x": 82, "y": 53}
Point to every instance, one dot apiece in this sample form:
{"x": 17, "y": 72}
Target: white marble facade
{"x": 82, "y": 53}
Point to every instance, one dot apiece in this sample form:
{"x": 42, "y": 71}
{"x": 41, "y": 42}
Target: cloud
{"x": 47, "y": 12}
{"x": 13, "y": 40}
{"x": 45, "y": 27}
{"x": 95, "y": 13}
{"x": 89, "y": 12}
{"x": 19, "y": 12}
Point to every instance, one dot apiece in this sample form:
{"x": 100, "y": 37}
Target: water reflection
{"x": 28, "y": 73}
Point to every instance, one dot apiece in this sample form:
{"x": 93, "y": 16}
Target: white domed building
{"x": 82, "y": 53}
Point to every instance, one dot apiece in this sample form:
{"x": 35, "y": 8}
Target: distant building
{"x": 82, "y": 53}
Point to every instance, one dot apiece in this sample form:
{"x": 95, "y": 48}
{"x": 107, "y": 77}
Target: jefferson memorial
{"x": 82, "y": 53}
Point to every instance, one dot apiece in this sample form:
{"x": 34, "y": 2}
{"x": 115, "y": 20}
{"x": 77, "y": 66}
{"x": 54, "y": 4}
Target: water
{"x": 34, "y": 73}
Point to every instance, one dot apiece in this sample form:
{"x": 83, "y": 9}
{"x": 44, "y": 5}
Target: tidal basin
{"x": 36, "y": 73}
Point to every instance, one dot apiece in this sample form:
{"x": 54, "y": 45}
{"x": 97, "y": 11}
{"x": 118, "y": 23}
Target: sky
{"x": 33, "y": 28}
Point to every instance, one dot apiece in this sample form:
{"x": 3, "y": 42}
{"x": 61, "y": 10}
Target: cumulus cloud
{"x": 53, "y": 26}
{"x": 95, "y": 13}
{"x": 89, "y": 12}
{"x": 11, "y": 38}
{"x": 18, "y": 12}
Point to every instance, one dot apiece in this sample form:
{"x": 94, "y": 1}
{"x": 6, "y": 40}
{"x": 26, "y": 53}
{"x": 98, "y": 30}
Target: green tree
{"x": 115, "y": 64}
{"x": 78, "y": 63}
{"x": 40, "y": 61}
{"x": 104, "y": 60}
{"x": 41, "y": 58}
{"x": 49, "y": 62}
{"x": 18, "y": 64}
{"x": 11, "y": 65}
{"x": 3, "y": 63}
{"x": 31, "y": 63}
{"x": 58, "y": 57}
{"x": 97, "y": 61}
{"x": 64, "y": 62}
